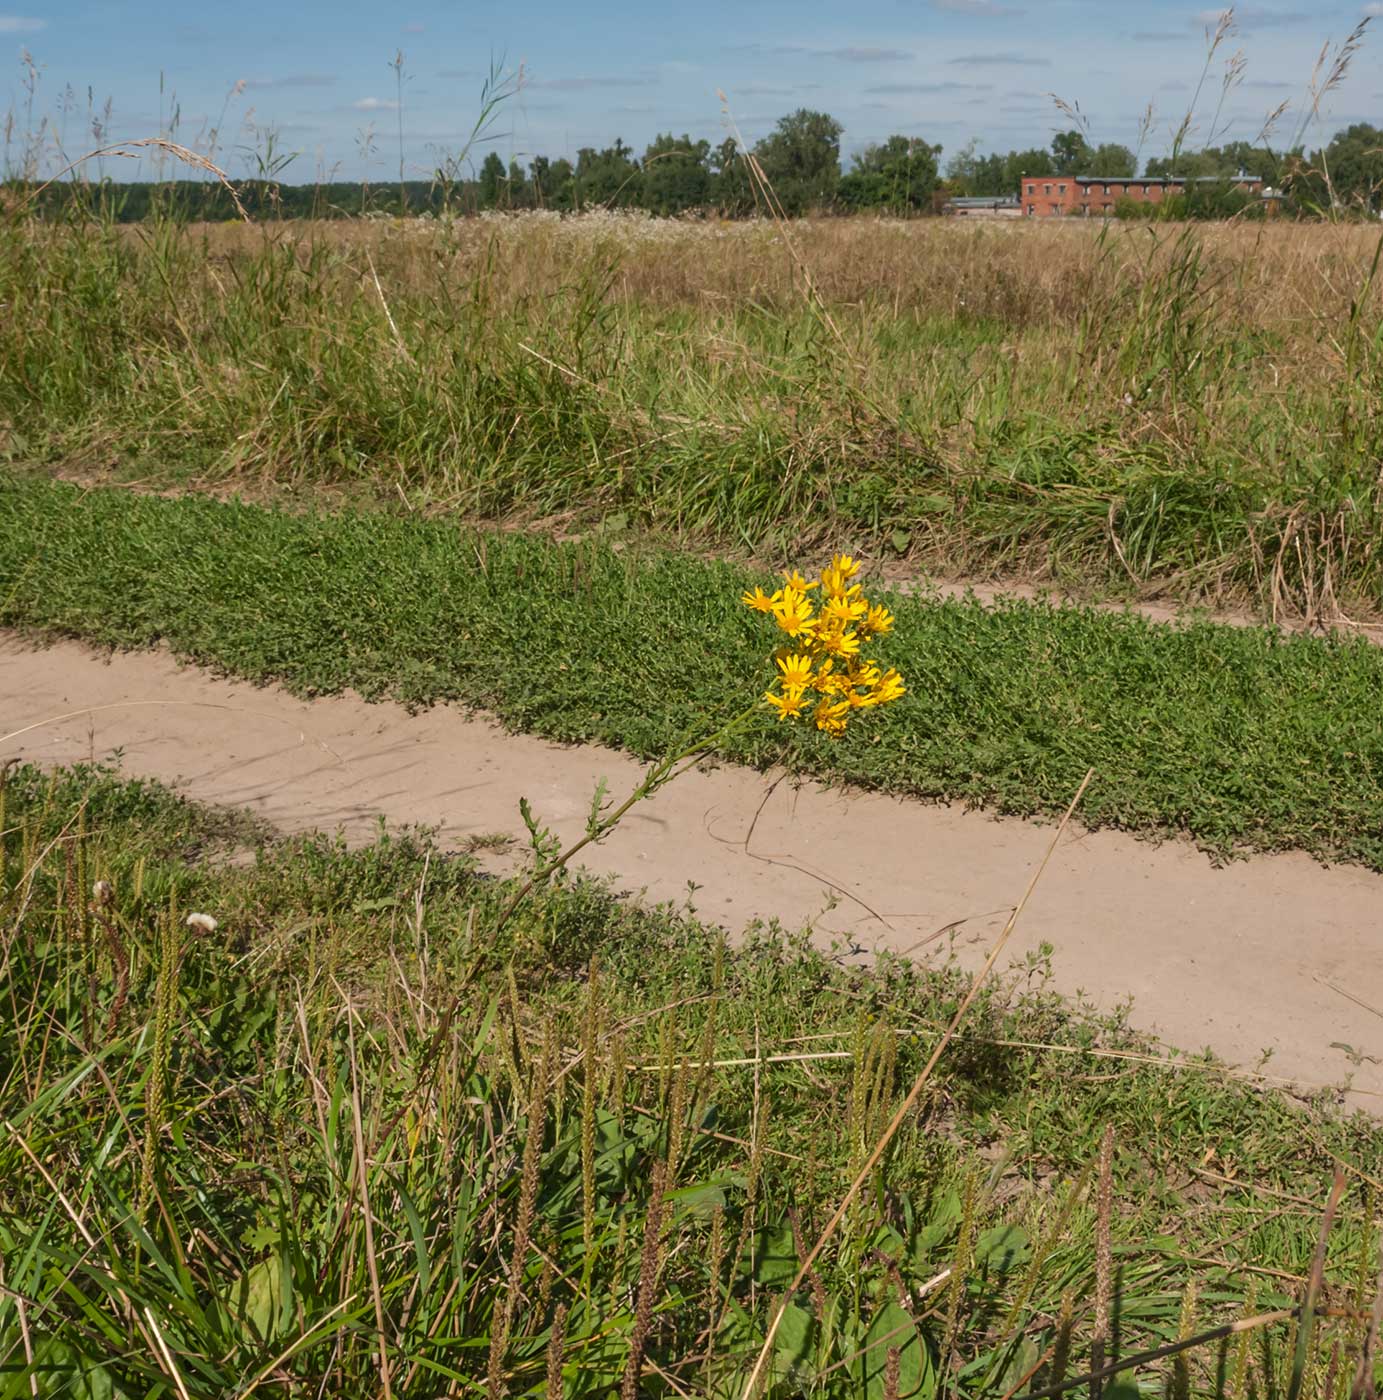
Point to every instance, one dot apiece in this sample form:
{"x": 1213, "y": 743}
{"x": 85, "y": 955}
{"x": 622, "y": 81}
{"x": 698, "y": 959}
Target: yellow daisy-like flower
{"x": 793, "y": 613}
{"x": 844, "y": 610}
{"x": 835, "y": 584}
{"x": 821, "y": 674}
{"x": 838, "y": 643}
{"x": 877, "y": 620}
{"x": 796, "y": 670}
{"x": 889, "y": 687}
{"x": 830, "y": 716}
{"x": 788, "y": 704}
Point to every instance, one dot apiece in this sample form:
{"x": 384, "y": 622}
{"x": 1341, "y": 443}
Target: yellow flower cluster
{"x": 826, "y": 635}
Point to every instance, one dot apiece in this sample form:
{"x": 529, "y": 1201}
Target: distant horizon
{"x": 945, "y": 71}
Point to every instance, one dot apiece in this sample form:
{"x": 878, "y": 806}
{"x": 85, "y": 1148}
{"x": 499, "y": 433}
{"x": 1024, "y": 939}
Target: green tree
{"x": 1219, "y": 161}
{"x": 732, "y": 189}
{"x": 559, "y": 191}
{"x": 1071, "y": 152}
{"x": 609, "y": 177}
{"x": 1354, "y": 163}
{"x": 491, "y": 181}
{"x": 1020, "y": 163}
{"x": 676, "y": 174}
{"x": 991, "y": 177}
{"x": 801, "y": 159}
{"x": 540, "y": 180}
{"x": 962, "y": 168}
{"x": 900, "y": 174}
{"x": 1112, "y": 161}
{"x": 969, "y": 173}
{"x": 517, "y": 194}
{"x": 1192, "y": 165}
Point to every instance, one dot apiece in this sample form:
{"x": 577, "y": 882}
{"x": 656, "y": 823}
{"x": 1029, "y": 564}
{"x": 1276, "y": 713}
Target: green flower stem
{"x": 661, "y": 773}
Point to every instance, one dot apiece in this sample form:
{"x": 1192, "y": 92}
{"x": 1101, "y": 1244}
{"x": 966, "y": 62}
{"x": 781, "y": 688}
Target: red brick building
{"x": 1050, "y": 196}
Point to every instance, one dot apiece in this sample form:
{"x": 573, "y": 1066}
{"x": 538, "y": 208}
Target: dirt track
{"x": 1275, "y": 953}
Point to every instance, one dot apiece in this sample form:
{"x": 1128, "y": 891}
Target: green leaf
{"x": 792, "y": 1344}
{"x": 900, "y": 540}
{"x": 698, "y": 1200}
{"x": 257, "y": 1295}
{"x": 939, "y": 1227}
{"x": 774, "y": 1258}
{"x": 1002, "y": 1248}
{"x": 894, "y": 1329}
{"x": 1122, "y": 1390}
{"x": 1025, "y": 1357}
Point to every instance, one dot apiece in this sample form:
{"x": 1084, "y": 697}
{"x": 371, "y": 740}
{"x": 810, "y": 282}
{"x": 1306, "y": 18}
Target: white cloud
{"x": 21, "y": 24}
{"x": 413, "y": 27}
{"x": 1374, "y": 10}
{"x": 375, "y": 104}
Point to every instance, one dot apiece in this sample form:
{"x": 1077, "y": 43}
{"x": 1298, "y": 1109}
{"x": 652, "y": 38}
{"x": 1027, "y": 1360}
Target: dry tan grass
{"x": 1280, "y": 276}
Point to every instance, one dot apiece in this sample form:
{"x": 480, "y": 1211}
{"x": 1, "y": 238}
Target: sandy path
{"x": 1275, "y": 953}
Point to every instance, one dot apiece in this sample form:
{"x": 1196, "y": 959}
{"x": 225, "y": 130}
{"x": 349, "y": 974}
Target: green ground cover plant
{"x": 313, "y": 1121}
{"x": 1193, "y": 411}
{"x": 1240, "y": 738}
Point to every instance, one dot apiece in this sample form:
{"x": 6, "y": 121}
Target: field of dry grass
{"x": 1195, "y": 411}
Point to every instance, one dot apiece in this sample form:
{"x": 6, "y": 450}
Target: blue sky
{"x": 947, "y": 70}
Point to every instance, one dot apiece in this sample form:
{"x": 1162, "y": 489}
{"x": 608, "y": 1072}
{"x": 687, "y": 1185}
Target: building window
{"x": 1061, "y": 189}
{"x": 1106, "y": 190}
{"x": 1032, "y": 208}
{"x": 1032, "y": 189}
{"x": 1046, "y": 189}
{"x": 1056, "y": 209}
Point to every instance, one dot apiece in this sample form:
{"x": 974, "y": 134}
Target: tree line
{"x": 799, "y": 162}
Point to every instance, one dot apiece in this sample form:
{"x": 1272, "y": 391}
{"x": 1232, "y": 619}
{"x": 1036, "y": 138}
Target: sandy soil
{"x": 1272, "y": 954}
